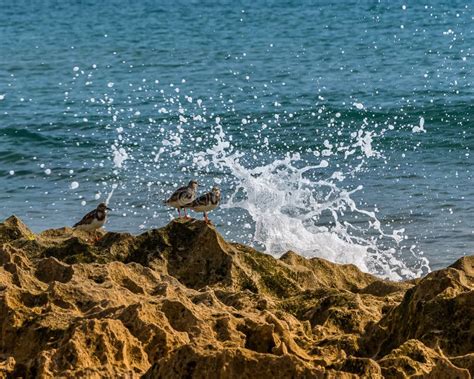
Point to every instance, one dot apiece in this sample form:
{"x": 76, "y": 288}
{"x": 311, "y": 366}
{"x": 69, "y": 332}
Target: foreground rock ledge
{"x": 182, "y": 302}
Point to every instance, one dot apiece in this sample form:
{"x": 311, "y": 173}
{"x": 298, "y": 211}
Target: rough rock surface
{"x": 182, "y": 302}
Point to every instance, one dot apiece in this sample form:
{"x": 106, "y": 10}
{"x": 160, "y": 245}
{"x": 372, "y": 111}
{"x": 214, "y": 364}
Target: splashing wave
{"x": 288, "y": 209}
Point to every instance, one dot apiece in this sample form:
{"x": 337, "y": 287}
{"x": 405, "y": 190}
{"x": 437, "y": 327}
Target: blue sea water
{"x": 341, "y": 129}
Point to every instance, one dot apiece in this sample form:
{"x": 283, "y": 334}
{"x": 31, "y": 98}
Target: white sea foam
{"x": 287, "y": 208}
{"x": 114, "y": 186}
{"x": 420, "y": 128}
{"x": 120, "y": 156}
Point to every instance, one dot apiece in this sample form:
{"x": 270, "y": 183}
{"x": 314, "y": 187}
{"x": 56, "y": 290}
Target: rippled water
{"x": 340, "y": 130}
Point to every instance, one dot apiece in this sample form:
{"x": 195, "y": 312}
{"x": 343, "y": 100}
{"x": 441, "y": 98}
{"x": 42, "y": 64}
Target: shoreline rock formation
{"x": 180, "y": 301}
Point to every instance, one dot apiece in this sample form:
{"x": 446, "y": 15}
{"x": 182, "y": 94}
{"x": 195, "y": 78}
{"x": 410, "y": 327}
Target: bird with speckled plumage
{"x": 182, "y": 197}
{"x": 93, "y": 220}
{"x": 207, "y": 202}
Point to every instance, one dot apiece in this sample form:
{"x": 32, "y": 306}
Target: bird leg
{"x": 185, "y": 214}
{"x": 179, "y": 212}
{"x": 206, "y": 219}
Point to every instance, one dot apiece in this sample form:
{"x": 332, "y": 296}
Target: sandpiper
{"x": 207, "y": 202}
{"x": 93, "y": 220}
{"x": 182, "y": 197}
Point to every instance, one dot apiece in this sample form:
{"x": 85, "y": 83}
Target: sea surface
{"x": 339, "y": 129}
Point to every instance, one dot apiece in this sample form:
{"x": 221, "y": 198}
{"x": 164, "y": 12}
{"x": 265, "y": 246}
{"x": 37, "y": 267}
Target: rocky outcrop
{"x": 180, "y": 301}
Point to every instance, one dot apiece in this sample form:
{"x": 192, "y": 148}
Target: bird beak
{"x": 108, "y": 208}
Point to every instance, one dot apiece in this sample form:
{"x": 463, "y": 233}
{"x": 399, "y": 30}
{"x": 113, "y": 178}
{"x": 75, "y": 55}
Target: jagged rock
{"x": 180, "y": 301}
{"x": 438, "y": 311}
{"x": 318, "y": 272}
{"x": 361, "y": 367}
{"x": 464, "y": 361}
{"x": 13, "y": 229}
{"x": 189, "y": 362}
{"x": 94, "y": 348}
{"x": 7, "y": 367}
{"x": 342, "y": 312}
{"x": 413, "y": 359}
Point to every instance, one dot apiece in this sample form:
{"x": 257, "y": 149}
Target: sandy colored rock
{"x": 413, "y": 359}
{"x": 438, "y": 311}
{"x": 180, "y": 301}
{"x": 188, "y": 362}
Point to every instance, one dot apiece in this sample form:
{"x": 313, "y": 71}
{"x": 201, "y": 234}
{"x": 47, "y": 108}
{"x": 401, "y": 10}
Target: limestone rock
{"x": 438, "y": 311}
{"x": 189, "y": 362}
{"x": 13, "y": 229}
{"x": 413, "y": 358}
{"x": 180, "y": 301}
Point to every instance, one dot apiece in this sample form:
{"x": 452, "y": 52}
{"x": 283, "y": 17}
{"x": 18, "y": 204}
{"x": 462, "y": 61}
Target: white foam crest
{"x": 287, "y": 208}
{"x": 120, "y": 156}
{"x": 114, "y": 186}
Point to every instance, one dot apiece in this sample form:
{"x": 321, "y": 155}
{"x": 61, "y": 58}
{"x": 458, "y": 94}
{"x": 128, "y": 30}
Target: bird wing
{"x": 201, "y": 200}
{"x": 176, "y": 195}
{"x": 87, "y": 219}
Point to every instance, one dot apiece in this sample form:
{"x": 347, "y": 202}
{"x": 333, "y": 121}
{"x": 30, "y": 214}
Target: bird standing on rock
{"x": 182, "y": 197}
{"x": 207, "y": 202}
{"x": 93, "y": 220}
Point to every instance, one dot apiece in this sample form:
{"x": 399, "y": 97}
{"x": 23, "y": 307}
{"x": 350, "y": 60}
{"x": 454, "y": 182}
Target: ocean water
{"x": 336, "y": 129}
